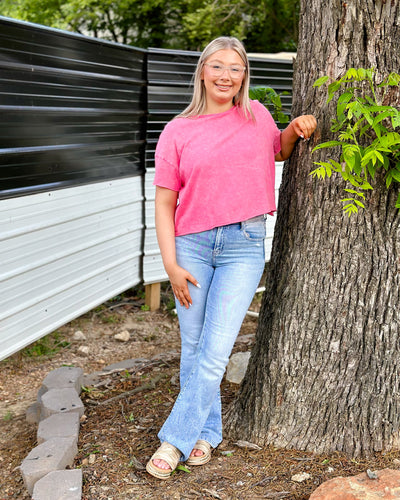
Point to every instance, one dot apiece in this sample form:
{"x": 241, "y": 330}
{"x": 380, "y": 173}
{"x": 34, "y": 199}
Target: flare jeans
{"x": 228, "y": 262}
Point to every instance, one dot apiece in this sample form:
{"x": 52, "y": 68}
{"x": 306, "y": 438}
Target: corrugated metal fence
{"x": 79, "y": 123}
{"x": 73, "y": 109}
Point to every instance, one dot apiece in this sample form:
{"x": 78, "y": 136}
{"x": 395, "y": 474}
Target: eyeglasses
{"x": 235, "y": 71}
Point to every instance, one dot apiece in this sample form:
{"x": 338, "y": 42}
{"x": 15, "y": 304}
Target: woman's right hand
{"x": 179, "y": 278}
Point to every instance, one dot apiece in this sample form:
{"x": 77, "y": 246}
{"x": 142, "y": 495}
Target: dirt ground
{"x": 125, "y": 409}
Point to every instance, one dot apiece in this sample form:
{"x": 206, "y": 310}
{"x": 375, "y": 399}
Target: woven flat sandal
{"x": 169, "y": 454}
{"x": 203, "y": 446}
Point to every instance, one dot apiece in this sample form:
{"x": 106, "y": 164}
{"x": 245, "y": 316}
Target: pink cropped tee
{"x": 222, "y": 165}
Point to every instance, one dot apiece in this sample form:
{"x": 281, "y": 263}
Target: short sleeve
{"x": 277, "y": 141}
{"x": 167, "y": 160}
{"x": 269, "y": 125}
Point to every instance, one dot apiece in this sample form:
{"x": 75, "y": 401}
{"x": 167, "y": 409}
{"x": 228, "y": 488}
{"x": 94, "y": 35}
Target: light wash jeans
{"x": 228, "y": 262}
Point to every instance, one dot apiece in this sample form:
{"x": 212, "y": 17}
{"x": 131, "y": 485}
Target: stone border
{"x": 57, "y": 412}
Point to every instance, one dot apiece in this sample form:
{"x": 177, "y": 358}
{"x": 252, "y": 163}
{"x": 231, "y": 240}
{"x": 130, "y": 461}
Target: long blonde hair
{"x": 241, "y": 99}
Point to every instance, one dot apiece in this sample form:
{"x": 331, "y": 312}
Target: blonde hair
{"x": 241, "y": 99}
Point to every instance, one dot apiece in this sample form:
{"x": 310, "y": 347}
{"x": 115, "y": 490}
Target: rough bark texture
{"x": 324, "y": 373}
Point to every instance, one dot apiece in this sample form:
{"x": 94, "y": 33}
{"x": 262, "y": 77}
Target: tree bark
{"x": 324, "y": 373}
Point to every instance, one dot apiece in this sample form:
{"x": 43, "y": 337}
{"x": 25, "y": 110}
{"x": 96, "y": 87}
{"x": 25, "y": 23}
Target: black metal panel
{"x": 76, "y": 110}
{"x": 73, "y": 109}
{"x": 170, "y": 74}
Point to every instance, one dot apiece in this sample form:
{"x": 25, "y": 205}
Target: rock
{"x": 83, "y": 350}
{"x": 126, "y": 364}
{"x": 78, "y": 335}
{"x": 33, "y": 413}
{"x": 246, "y": 444}
{"x": 371, "y": 474}
{"x": 237, "y": 367}
{"x": 359, "y": 487}
{"x": 123, "y": 336}
{"x": 299, "y": 478}
{"x": 175, "y": 379}
{"x": 246, "y": 339}
{"x": 396, "y": 461}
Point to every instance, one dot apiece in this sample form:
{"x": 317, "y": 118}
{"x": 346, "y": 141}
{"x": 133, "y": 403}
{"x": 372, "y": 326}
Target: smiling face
{"x": 220, "y": 90}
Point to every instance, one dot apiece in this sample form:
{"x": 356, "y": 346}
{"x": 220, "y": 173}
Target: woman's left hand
{"x": 304, "y": 126}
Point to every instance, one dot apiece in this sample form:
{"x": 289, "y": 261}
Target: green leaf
{"x": 343, "y": 101}
{"x": 380, "y": 117}
{"x": 337, "y": 167}
{"x": 320, "y": 81}
{"x": 183, "y": 468}
{"x": 351, "y": 155}
{"x": 332, "y": 88}
{"x": 386, "y": 163}
{"x": 328, "y": 144}
{"x": 351, "y": 74}
{"x": 379, "y": 156}
{"x": 393, "y": 79}
{"x": 395, "y": 119}
{"x": 371, "y": 169}
{"x": 352, "y": 191}
{"x": 350, "y": 209}
{"x": 398, "y": 202}
{"x": 318, "y": 172}
{"x": 371, "y": 156}
{"x": 359, "y": 203}
{"x": 326, "y": 165}
{"x": 361, "y": 74}
{"x": 395, "y": 174}
{"x": 354, "y": 181}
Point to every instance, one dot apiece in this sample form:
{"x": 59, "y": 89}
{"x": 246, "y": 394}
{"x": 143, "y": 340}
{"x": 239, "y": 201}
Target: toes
{"x": 196, "y": 453}
{"x": 161, "y": 464}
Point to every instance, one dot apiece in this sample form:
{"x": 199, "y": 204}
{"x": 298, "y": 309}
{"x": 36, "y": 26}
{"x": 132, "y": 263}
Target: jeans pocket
{"x": 254, "y": 229}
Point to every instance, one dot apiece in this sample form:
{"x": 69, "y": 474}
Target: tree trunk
{"x": 324, "y": 372}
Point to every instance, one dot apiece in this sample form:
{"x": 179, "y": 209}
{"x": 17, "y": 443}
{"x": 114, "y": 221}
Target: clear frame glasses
{"x": 235, "y": 70}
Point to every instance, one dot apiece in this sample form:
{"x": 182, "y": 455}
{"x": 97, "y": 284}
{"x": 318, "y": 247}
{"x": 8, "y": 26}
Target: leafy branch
{"x": 366, "y": 131}
{"x": 271, "y": 100}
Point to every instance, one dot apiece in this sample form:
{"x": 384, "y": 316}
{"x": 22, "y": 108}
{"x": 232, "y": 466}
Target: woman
{"x": 215, "y": 176}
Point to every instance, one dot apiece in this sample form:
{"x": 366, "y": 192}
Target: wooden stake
{"x": 152, "y": 296}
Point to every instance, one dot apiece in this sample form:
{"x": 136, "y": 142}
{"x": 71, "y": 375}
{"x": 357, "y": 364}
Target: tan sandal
{"x": 169, "y": 454}
{"x": 203, "y": 446}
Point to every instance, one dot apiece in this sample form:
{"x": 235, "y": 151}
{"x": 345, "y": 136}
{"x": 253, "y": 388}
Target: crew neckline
{"x": 221, "y": 113}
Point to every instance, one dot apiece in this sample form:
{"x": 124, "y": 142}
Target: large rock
{"x": 361, "y": 487}
{"x": 237, "y": 367}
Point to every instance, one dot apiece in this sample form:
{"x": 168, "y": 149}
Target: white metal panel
{"x": 153, "y": 270}
{"x": 270, "y": 221}
{"x": 64, "y": 252}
